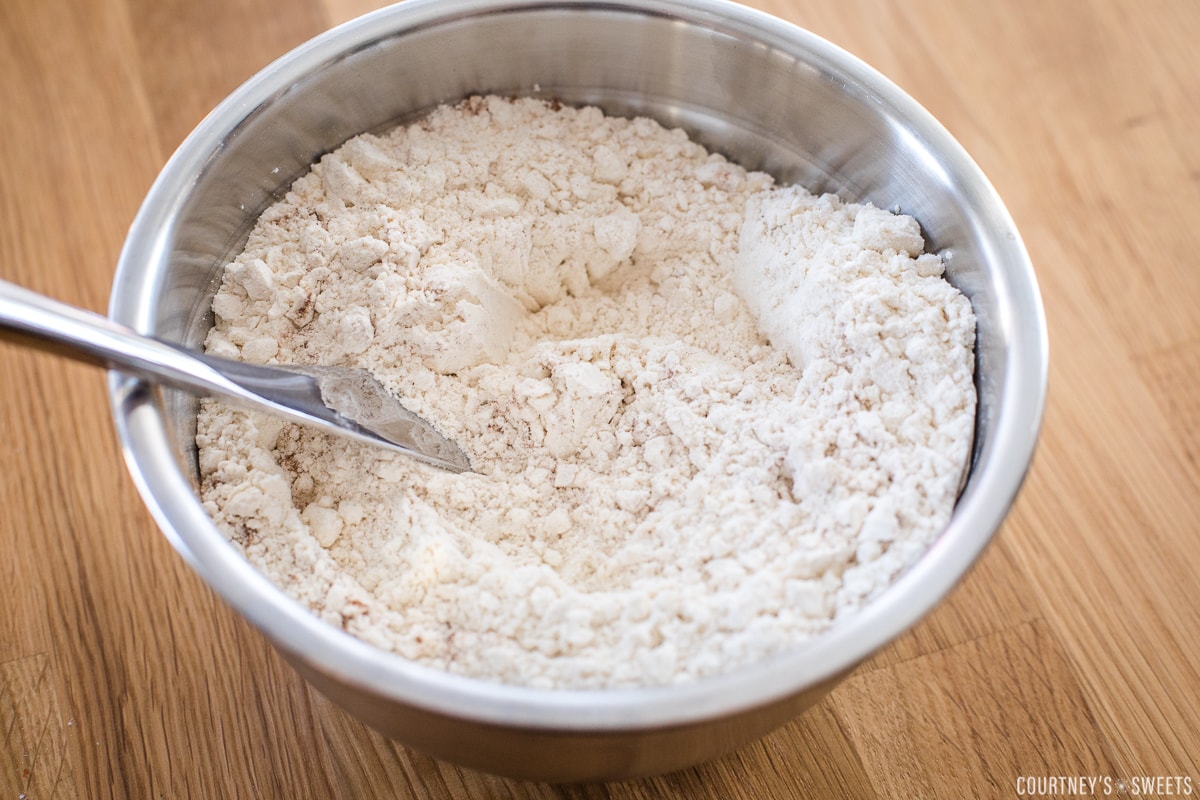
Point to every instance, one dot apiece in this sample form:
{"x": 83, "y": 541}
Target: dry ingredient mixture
{"x": 708, "y": 416}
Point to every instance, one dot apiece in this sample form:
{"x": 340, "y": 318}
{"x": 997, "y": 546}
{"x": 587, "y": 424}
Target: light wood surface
{"x": 1072, "y": 649}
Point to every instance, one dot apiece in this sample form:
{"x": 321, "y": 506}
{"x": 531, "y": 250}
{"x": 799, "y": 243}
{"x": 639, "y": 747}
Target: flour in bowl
{"x": 708, "y": 416}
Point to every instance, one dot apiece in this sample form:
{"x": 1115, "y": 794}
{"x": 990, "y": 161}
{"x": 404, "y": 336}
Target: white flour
{"x": 659, "y": 493}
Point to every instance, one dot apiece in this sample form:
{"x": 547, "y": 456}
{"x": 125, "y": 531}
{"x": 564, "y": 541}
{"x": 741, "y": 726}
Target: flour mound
{"x": 708, "y": 416}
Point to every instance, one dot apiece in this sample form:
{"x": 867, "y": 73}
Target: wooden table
{"x": 1072, "y": 650}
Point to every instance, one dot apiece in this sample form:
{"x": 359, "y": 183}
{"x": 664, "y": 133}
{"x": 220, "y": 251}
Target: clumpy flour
{"x": 708, "y": 416}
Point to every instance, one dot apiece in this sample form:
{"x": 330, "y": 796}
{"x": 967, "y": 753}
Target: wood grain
{"x": 1002, "y": 706}
{"x": 34, "y": 732}
{"x": 1072, "y": 648}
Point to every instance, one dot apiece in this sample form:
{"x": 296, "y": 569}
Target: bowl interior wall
{"x": 800, "y": 117}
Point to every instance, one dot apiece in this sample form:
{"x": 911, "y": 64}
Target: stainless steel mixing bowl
{"x": 765, "y": 93}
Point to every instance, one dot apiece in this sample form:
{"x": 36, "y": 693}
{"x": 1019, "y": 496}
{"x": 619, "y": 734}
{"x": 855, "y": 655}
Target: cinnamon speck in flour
{"x": 708, "y": 416}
